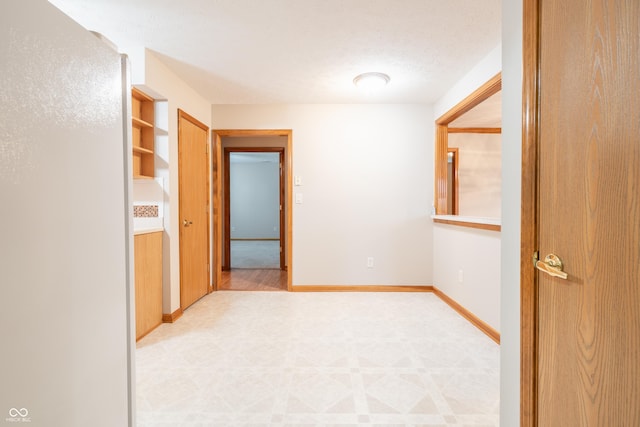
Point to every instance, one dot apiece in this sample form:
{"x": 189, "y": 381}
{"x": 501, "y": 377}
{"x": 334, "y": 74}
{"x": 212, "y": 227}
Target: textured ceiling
{"x": 302, "y": 51}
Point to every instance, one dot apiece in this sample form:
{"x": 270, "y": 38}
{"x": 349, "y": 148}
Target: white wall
{"x": 472, "y": 252}
{"x": 160, "y": 81}
{"x": 455, "y": 248}
{"x": 488, "y": 67}
{"x": 511, "y": 171}
{"x": 478, "y": 173}
{"x": 255, "y": 199}
{"x": 366, "y": 173}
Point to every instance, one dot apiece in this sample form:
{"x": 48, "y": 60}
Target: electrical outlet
{"x": 370, "y": 262}
{"x": 460, "y": 276}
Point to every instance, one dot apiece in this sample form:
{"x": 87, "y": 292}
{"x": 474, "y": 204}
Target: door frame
{"x": 455, "y": 186}
{"x": 217, "y": 135}
{"x": 529, "y": 214}
{"x": 183, "y": 115}
{"x": 491, "y": 87}
{"x": 226, "y": 263}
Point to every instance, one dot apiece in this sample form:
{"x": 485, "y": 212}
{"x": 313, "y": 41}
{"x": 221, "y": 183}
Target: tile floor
{"x": 318, "y": 359}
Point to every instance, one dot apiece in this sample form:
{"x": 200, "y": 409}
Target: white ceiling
{"x": 303, "y": 51}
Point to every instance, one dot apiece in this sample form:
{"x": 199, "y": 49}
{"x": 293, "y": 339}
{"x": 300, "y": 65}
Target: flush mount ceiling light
{"x": 371, "y": 80}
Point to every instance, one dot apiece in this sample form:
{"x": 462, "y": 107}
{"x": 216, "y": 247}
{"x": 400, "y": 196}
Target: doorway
{"x": 226, "y": 142}
{"x": 254, "y": 196}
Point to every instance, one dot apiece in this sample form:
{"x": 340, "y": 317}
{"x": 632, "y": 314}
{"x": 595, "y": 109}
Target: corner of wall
{"x": 456, "y": 249}
{"x": 488, "y": 67}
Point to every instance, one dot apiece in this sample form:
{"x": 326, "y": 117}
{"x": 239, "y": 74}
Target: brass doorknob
{"x": 552, "y": 265}
{"x": 186, "y": 223}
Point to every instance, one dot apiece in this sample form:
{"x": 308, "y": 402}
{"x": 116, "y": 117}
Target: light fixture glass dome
{"x": 371, "y": 80}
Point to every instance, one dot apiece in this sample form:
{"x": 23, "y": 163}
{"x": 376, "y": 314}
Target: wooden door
{"x": 587, "y": 354}
{"x": 194, "y": 206}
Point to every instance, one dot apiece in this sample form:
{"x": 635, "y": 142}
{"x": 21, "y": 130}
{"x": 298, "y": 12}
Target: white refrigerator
{"x": 66, "y": 336}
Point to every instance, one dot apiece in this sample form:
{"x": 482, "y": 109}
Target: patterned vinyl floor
{"x": 318, "y": 359}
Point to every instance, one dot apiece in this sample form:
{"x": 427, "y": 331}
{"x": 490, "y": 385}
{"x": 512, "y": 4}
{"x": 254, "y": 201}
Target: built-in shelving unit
{"x": 142, "y": 120}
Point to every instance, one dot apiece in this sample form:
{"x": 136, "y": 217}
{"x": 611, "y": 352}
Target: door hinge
{"x": 536, "y": 258}
{"x": 207, "y": 148}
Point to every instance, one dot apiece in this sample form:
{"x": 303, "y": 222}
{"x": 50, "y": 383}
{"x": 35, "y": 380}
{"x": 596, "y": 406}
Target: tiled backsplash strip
{"x": 145, "y": 211}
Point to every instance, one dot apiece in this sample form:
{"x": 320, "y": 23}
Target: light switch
{"x": 298, "y": 198}
{"x": 297, "y": 180}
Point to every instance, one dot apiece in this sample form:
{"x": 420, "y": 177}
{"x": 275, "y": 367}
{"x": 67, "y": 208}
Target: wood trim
{"x": 491, "y": 87}
{"x": 474, "y": 130}
{"x": 252, "y": 132}
{"x": 226, "y": 236}
{"x": 478, "y": 225}
{"x": 282, "y": 220}
{"x": 362, "y": 288}
{"x": 138, "y": 94}
{"x": 216, "y": 154}
{"x": 455, "y": 191}
{"x": 475, "y": 320}
{"x": 218, "y": 191}
{"x": 182, "y": 114}
{"x": 529, "y": 218}
{"x": 289, "y": 202}
{"x": 172, "y": 317}
{"x": 442, "y": 144}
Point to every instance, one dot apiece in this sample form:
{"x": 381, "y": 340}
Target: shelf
{"x": 143, "y": 134}
{"x": 140, "y": 122}
{"x": 142, "y": 150}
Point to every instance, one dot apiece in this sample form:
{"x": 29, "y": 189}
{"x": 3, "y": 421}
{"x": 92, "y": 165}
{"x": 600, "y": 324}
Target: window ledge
{"x": 493, "y": 224}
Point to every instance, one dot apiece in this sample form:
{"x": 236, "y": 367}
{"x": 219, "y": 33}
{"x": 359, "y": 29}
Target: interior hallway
{"x": 254, "y": 279}
{"x": 318, "y": 359}
{"x": 255, "y": 253}
{"x": 255, "y": 266}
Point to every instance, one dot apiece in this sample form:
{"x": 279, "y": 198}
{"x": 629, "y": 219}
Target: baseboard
{"x": 170, "y": 318}
{"x": 261, "y": 239}
{"x": 472, "y": 318}
{"x": 475, "y": 320}
{"x": 362, "y": 288}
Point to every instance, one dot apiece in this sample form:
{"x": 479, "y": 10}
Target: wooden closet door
{"x": 194, "y": 204}
{"x": 588, "y": 367}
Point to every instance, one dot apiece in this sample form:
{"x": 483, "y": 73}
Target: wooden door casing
{"x": 581, "y": 337}
{"x": 193, "y": 167}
